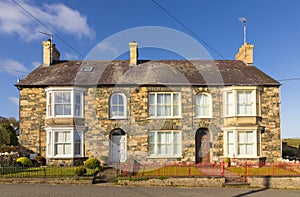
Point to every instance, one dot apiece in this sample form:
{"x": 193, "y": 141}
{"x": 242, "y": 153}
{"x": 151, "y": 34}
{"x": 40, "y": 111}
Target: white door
{"x": 118, "y": 148}
{"x": 123, "y": 148}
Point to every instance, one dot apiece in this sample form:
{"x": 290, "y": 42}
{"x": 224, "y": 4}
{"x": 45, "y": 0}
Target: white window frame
{"x": 50, "y": 142}
{"x": 201, "y": 105}
{"x": 234, "y": 104}
{"x": 171, "y": 142}
{"x": 172, "y": 105}
{"x": 124, "y": 106}
{"x": 236, "y": 130}
{"x": 50, "y": 109}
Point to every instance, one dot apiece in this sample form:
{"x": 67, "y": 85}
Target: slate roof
{"x": 3, "y": 120}
{"x": 148, "y": 72}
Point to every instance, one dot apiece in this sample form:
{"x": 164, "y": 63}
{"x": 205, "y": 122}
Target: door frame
{"x": 123, "y": 143}
{"x": 198, "y": 136}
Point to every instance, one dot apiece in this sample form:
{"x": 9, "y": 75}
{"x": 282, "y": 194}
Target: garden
{"x": 13, "y": 166}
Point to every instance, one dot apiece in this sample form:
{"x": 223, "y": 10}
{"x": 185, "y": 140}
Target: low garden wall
{"x": 181, "y": 182}
{"x": 255, "y": 182}
{"x": 275, "y": 182}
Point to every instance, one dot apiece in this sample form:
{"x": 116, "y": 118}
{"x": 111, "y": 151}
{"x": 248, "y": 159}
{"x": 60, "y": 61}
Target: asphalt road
{"x": 100, "y": 190}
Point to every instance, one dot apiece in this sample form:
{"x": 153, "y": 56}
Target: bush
{"x": 41, "y": 160}
{"x": 24, "y": 161}
{"x": 4, "y": 136}
{"x": 92, "y": 163}
{"x": 9, "y": 136}
{"x": 80, "y": 171}
{"x": 227, "y": 160}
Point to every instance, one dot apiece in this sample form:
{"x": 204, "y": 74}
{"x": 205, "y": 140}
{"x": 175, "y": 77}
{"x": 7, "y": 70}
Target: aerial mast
{"x": 51, "y": 38}
{"x": 244, "y": 21}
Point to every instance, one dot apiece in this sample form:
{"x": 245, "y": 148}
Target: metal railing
{"x": 209, "y": 170}
{"x": 39, "y": 172}
{"x": 136, "y": 169}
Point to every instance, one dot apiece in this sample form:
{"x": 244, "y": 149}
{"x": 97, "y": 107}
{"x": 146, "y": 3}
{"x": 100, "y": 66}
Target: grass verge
{"x": 263, "y": 171}
{"x": 170, "y": 171}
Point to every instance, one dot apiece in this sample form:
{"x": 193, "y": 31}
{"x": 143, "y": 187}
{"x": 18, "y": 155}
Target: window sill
{"x": 234, "y": 116}
{"x": 64, "y": 157}
{"x": 165, "y": 157}
{"x": 242, "y": 157}
{"x": 161, "y": 118}
{"x": 52, "y": 117}
{"x": 121, "y": 118}
{"x": 203, "y": 117}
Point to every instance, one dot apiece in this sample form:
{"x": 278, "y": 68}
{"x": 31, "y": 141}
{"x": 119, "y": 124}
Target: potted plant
{"x": 227, "y": 162}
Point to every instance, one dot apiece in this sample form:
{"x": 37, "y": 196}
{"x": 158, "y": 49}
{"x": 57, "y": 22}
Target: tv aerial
{"x": 244, "y": 21}
{"x": 50, "y": 35}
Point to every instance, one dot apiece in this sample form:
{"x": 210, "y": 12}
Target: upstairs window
{"x": 118, "y": 106}
{"x": 64, "y": 102}
{"x": 164, "y": 105}
{"x": 240, "y": 102}
{"x": 244, "y": 102}
{"x": 203, "y": 105}
{"x": 230, "y": 104}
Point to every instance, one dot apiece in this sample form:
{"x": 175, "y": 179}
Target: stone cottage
{"x": 149, "y": 110}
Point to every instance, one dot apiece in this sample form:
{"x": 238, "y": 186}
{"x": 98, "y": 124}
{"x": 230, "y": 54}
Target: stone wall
{"x": 32, "y": 118}
{"x": 270, "y": 113}
{"x": 179, "y": 182}
{"x": 255, "y": 182}
{"x": 137, "y": 125}
{"x": 275, "y": 182}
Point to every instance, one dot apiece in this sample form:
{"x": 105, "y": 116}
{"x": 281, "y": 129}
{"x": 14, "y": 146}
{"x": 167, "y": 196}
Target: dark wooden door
{"x": 202, "y": 146}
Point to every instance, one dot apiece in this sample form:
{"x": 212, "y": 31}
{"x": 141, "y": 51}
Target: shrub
{"x": 41, "y": 160}
{"x": 24, "y": 161}
{"x": 9, "y": 136}
{"x": 227, "y": 160}
{"x": 92, "y": 163}
{"x": 4, "y": 136}
{"x": 80, "y": 171}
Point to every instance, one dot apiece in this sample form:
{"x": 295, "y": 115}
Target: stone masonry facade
{"x": 32, "y": 119}
{"x": 137, "y": 125}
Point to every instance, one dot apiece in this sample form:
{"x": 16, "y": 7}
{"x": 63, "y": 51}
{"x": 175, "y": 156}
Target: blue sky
{"x": 272, "y": 26}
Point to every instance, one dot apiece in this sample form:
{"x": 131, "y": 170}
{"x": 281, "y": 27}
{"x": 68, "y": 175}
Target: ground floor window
{"x": 241, "y": 142}
{"x": 64, "y": 142}
{"x": 165, "y": 143}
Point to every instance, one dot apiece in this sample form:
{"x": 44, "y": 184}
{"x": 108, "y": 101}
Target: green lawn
{"x": 39, "y": 172}
{"x": 263, "y": 171}
{"x": 295, "y": 142}
{"x": 170, "y": 171}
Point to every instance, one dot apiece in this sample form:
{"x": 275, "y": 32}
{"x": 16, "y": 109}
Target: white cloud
{"x": 106, "y": 46}
{"x": 70, "y": 56}
{"x": 36, "y": 64}
{"x": 103, "y": 50}
{"x": 14, "y": 100}
{"x": 13, "y": 67}
{"x": 58, "y": 17}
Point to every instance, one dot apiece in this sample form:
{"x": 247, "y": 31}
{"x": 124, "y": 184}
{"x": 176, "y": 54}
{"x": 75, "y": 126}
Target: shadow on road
{"x": 266, "y": 186}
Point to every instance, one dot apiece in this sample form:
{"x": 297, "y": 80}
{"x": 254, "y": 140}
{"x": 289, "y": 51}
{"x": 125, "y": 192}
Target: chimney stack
{"x": 245, "y": 53}
{"x": 50, "y": 53}
{"x": 133, "y": 48}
